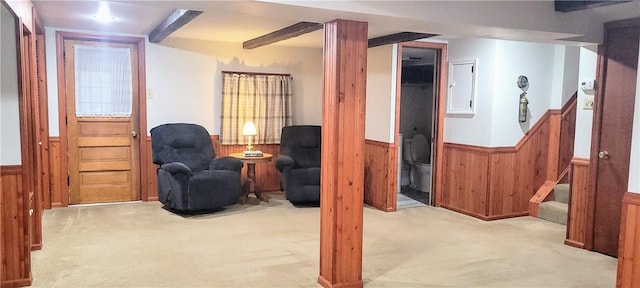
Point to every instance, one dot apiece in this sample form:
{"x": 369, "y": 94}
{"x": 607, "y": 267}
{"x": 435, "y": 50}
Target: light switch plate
{"x": 149, "y": 94}
{"x": 588, "y": 103}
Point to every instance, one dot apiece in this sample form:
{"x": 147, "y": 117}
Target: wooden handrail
{"x": 543, "y": 193}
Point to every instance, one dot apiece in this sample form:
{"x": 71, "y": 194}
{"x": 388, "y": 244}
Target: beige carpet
{"x": 276, "y": 245}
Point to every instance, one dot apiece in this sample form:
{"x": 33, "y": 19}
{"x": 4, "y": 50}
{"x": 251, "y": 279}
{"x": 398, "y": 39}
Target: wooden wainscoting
{"x": 149, "y": 187}
{"x": 576, "y": 226}
{"x": 466, "y": 179}
{"x": 16, "y": 247}
{"x": 58, "y": 175}
{"x": 267, "y": 176}
{"x": 567, "y": 133}
{"x": 629, "y": 251}
{"x": 379, "y": 177}
{"x": 496, "y": 183}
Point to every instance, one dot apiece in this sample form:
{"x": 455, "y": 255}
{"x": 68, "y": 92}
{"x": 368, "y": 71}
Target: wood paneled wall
{"x": 576, "y": 226}
{"x": 380, "y": 175}
{"x": 629, "y": 253}
{"x": 16, "y": 247}
{"x": 149, "y": 186}
{"x": 495, "y": 183}
{"x": 267, "y": 175}
{"x": 58, "y": 176}
{"x": 567, "y": 133}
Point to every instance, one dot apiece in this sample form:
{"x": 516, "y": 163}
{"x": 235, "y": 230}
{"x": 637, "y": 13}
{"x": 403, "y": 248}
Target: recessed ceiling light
{"x": 104, "y": 15}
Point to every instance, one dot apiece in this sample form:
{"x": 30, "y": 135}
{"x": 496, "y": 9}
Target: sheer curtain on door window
{"x": 103, "y": 81}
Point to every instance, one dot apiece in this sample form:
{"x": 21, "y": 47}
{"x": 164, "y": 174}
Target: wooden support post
{"x": 342, "y": 169}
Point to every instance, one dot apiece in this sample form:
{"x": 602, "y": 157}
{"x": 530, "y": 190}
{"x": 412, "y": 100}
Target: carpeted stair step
{"x": 554, "y": 211}
{"x": 561, "y": 193}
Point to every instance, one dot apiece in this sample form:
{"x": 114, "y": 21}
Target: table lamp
{"x": 249, "y": 130}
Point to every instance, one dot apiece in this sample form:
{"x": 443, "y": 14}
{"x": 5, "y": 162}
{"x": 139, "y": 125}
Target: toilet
{"x": 416, "y": 153}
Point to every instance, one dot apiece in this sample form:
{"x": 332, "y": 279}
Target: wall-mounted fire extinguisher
{"x": 522, "y": 112}
{"x": 523, "y": 83}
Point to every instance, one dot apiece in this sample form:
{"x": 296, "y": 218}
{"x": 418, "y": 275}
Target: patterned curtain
{"x": 264, "y": 99}
{"x": 103, "y": 81}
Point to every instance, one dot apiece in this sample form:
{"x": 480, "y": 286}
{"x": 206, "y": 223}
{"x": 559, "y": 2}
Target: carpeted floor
{"x": 276, "y": 245}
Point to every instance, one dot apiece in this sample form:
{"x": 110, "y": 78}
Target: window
{"x": 264, "y": 99}
{"x": 103, "y": 82}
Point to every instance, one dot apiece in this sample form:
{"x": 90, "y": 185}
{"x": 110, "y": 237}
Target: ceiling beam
{"x": 397, "y": 38}
{"x": 282, "y": 34}
{"x": 177, "y": 19}
{"x": 572, "y": 5}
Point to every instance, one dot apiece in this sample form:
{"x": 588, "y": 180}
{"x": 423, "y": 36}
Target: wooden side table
{"x": 251, "y": 186}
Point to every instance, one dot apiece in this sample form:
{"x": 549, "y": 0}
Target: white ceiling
{"x": 238, "y": 21}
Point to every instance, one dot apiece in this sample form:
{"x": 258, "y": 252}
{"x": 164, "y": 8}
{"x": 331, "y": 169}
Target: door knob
{"x": 134, "y": 134}
{"x": 603, "y": 155}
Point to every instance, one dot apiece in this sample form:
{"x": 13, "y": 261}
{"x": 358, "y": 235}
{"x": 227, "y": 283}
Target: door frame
{"x": 596, "y": 128}
{"x": 144, "y": 159}
{"x": 438, "y": 108}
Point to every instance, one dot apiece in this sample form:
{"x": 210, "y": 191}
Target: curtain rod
{"x": 256, "y": 73}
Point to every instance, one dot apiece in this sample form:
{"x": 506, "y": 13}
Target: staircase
{"x": 556, "y": 210}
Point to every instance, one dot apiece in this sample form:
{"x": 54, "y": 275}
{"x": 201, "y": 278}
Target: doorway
{"x": 100, "y": 125}
{"x": 611, "y": 143}
{"x": 417, "y": 119}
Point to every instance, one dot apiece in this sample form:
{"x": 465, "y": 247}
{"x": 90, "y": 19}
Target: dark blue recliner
{"x": 299, "y": 163}
{"x": 189, "y": 178}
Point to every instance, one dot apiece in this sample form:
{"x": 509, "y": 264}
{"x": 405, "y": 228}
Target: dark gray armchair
{"x": 299, "y": 163}
{"x": 189, "y": 178}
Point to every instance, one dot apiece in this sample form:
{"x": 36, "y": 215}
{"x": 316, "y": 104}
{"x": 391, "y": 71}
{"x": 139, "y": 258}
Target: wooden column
{"x": 342, "y": 169}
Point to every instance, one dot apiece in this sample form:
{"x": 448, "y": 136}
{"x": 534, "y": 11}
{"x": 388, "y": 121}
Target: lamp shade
{"x": 249, "y": 129}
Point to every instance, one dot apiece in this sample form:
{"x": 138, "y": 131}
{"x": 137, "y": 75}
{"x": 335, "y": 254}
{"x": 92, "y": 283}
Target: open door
{"x": 613, "y": 122}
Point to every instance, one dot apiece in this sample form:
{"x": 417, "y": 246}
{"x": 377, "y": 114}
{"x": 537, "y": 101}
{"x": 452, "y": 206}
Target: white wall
{"x": 184, "y": 77}
{"x": 500, "y": 62}
{"x": 474, "y": 129}
{"x": 536, "y": 61}
{"x": 565, "y": 74}
{"x": 381, "y": 93}
{"x": 634, "y": 162}
{"x": 571, "y": 70}
{"x": 9, "y": 97}
{"x": 182, "y": 85}
{"x": 304, "y": 65}
{"x": 584, "y": 118}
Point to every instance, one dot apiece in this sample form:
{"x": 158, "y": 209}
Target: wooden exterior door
{"x": 611, "y": 152}
{"x": 103, "y": 152}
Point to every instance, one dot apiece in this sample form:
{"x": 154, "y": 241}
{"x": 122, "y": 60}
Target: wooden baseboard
{"x": 17, "y": 282}
{"x": 325, "y": 283}
{"x": 484, "y": 217}
{"x": 574, "y": 243}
